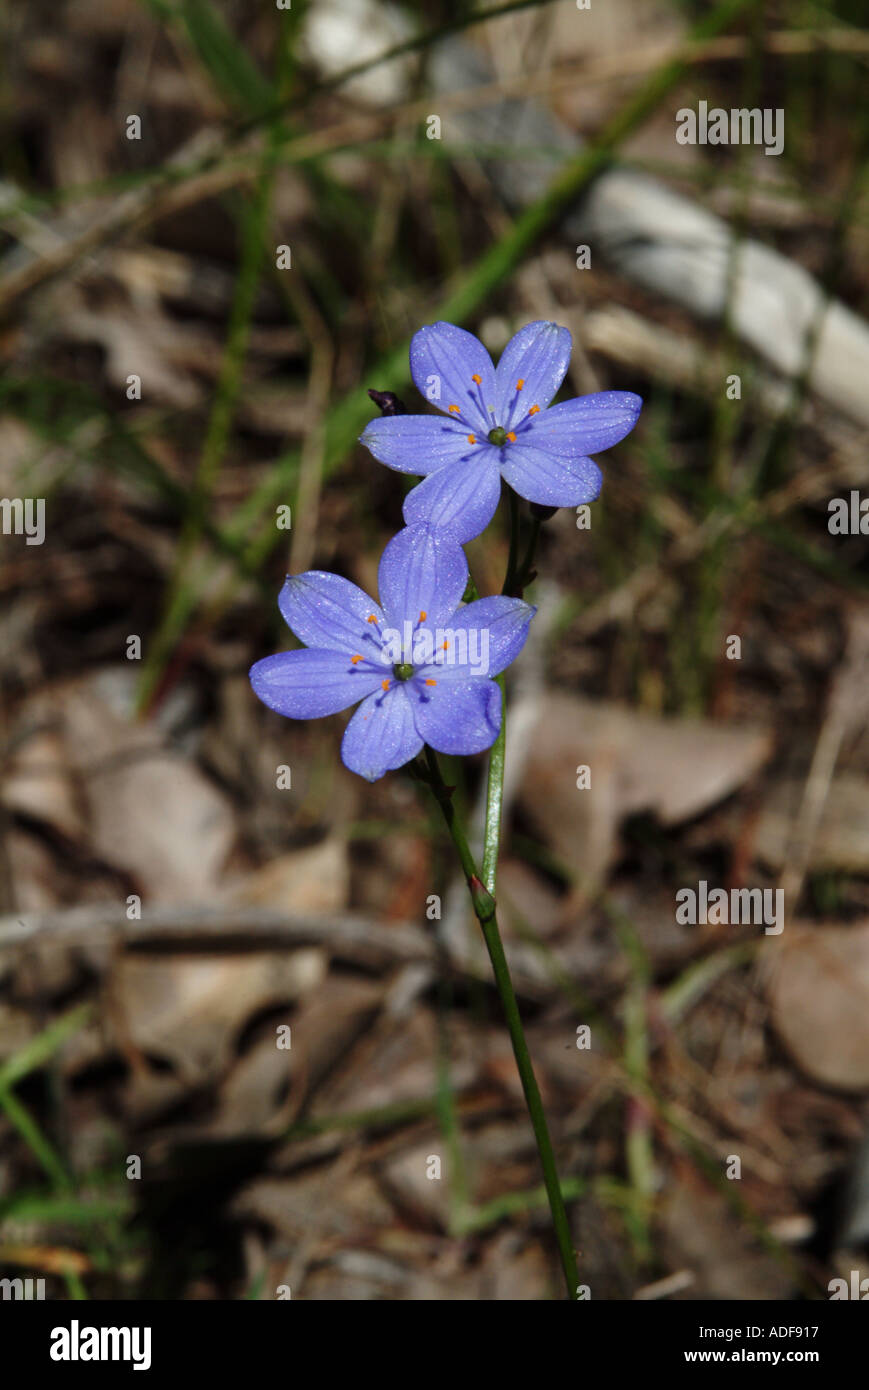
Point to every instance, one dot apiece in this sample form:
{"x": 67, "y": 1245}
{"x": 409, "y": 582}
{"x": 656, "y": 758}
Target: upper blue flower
{"x": 420, "y": 663}
{"x": 499, "y": 425}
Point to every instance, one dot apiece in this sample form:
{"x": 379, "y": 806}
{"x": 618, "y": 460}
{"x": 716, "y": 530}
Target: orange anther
{"x": 455, "y": 408}
{"x": 354, "y": 659}
{"x": 478, "y": 379}
{"x": 423, "y": 615}
{"x": 535, "y": 410}
{"x": 431, "y": 682}
{"x": 472, "y": 439}
{"x": 372, "y": 618}
{"x": 384, "y": 685}
{"x": 520, "y": 383}
{"x": 511, "y": 436}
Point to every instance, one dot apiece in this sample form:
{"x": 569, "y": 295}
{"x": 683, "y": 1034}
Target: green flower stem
{"x": 495, "y": 798}
{"x": 484, "y": 908}
{"x": 517, "y": 576}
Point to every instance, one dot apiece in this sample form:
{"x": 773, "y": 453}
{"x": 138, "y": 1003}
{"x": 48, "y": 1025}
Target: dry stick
{"x": 206, "y": 150}
{"x": 143, "y": 205}
{"x": 352, "y": 936}
{"x": 201, "y": 168}
{"x": 348, "y": 936}
{"x": 846, "y": 711}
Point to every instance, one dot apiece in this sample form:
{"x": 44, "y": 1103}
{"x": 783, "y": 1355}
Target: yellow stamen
{"x": 477, "y": 379}
{"x": 472, "y": 439}
{"x": 431, "y": 682}
{"x": 520, "y": 383}
{"x": 511, "y": 436}
{"x": 535, "y": 410}
{"x": 455, "y": 408}
{"x": 354, "y": 659}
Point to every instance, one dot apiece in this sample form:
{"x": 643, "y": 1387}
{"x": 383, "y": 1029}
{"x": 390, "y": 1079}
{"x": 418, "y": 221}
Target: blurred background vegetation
{"x": 220, "y": 223}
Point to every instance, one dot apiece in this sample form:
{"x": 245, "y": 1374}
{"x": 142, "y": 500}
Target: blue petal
{"x": 484, "y": 638}
{"x": 460, "y": 499}
{"x": 538, "y": 356}
{"x": 444, "y": 360}
{"x": 421, "y": 571}
{"x": 539, "y": 476}
{"x": 583, "y": 425}
{"x": 381, "y": 735}
{"x": 307, "y": 684}
{"x": 458, "y": 717}
{"x": 324, "y": 610}
{"x": 416, "y": 443}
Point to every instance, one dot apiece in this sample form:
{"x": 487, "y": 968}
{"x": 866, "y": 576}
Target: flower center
{"x": 402, "y": 671}
{"x": 498, "y": 437}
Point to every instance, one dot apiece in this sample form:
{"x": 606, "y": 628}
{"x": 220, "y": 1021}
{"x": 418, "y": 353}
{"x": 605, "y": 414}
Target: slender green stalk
{"x": 484, "y": 908}
{"x": 494, "y": 799}
{"x": 19, "y": 1116}
{"x": 517, "y": 576}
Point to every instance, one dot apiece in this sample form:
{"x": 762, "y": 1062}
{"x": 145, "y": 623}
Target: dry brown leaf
{"x": 253, "y": 1098}
{"x": 316, "y": 879}
{"x": 149, "y": 810}
{"x": 191, "y": 1009}
{"x": 328, "y": 1021}
{"x": 38, "y": 785}
{"x": 819, "y": 997}
{"x": 673, "y": 768}
{"x": 698, "y": 1233}
{"x": 139, "y": 340}
{"x": 526, "y": 900}
{"x": 421, "y": 1187}
{"x": 400, "y": 1068}
{"x": 308, "y": 1203}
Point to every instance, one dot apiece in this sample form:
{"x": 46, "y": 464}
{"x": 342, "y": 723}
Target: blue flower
{"x": 421, "y": 664}
{"x": 499, "y": 425}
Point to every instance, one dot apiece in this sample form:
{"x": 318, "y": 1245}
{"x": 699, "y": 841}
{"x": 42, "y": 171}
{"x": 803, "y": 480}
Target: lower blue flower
{"x": 421, "y": 663}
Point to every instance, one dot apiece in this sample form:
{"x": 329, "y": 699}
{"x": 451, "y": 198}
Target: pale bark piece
{"x": 841, "y": 840}
{"x": 657, "y": 238}
{"x": 670, "y": 245}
